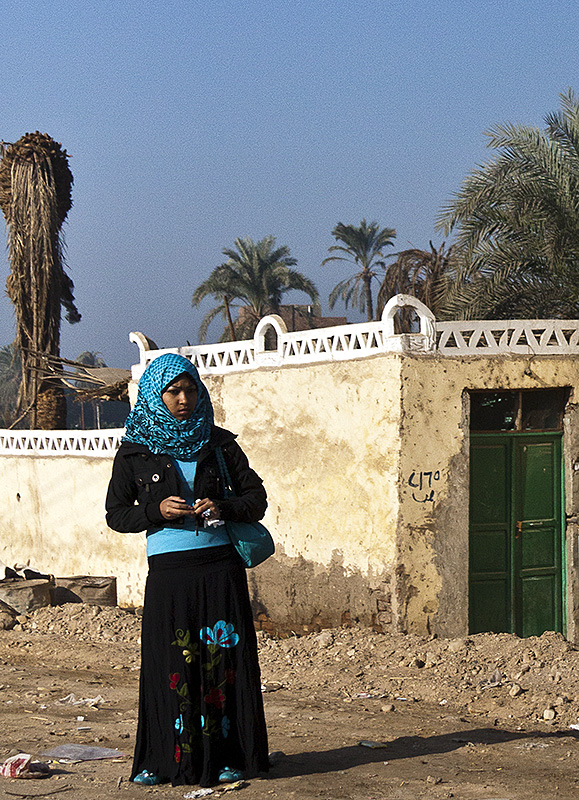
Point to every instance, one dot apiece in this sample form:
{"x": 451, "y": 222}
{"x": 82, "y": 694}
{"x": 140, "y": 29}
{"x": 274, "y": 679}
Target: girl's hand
{"x": 174, "y": 507}
{"x": 207, "y": 509}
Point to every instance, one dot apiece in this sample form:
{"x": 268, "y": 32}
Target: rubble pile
{"x": 500, "y": 677}
{"x": 87, "y": 622}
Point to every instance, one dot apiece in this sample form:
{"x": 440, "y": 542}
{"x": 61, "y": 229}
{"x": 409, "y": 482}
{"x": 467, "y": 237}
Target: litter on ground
{"x": 81, "y": 752}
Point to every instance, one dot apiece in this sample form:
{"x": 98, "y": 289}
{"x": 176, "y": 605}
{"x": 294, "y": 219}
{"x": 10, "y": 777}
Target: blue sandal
{"x": 229, "y": 775}
{"x": 146, "y": 778}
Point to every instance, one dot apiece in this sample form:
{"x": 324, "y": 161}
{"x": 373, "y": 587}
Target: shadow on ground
{"x": 342, "y": 758}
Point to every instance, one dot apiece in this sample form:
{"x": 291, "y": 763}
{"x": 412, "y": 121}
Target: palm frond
{"x": 516, "y": 221}
{"x": 258, "y": 275}
{"x": 425, "y": 274}
{"x": 213, "y": 313}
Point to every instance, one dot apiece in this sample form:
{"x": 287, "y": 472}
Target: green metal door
{"x": 515, "y": 562}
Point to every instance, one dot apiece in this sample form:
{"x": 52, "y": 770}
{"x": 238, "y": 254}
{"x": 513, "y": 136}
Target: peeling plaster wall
{"x": 571, "y": 456}
{"x": 431, "y": 592}
{"x": 325, "y": 439}
{"x": 366, "y": 465}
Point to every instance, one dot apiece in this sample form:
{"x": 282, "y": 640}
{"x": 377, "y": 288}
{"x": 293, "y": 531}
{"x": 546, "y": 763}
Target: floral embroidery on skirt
{"x": 200, "y": 705}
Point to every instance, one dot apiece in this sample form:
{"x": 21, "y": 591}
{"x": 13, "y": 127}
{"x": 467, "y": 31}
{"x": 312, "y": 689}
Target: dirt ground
{"x": 481, "y": 718}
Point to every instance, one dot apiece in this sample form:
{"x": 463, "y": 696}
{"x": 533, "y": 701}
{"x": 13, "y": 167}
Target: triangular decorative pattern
{"x": 103, "y": 443}
{"x": 533, "y": 337}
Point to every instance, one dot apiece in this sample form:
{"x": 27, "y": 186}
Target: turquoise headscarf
{"x": 152, "y": 424}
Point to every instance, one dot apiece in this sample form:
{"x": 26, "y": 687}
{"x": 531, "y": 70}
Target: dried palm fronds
{"x": 87, "y": 383}
{"x": 113, "y": 391}
{"x": 35, "y": 197}
{"x": 29, "y": 149}
{"x": 425, "y": 274}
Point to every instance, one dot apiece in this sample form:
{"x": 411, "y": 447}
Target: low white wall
{"x": 341, "y": 446}
{"x": 53, "y": 517}
{"x": 325, "y": 439}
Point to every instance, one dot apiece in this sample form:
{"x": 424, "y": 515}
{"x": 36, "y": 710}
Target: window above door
{"x": 518, "y": 411}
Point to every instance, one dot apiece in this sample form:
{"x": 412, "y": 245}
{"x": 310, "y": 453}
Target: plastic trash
{"x": 372, "y": 745}
{"x": 493, "y": 681}
{"x": 91, "y": 702}
{"x": 230, "y": 787}
{"x": 31, "y": 573}
{"x": 22, "y": 766}
{"x": 81, "y": 752}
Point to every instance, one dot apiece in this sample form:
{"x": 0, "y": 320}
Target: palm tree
{"x": 258, "y": 275}
{"x": 10, "y": 379}
{"x": 35, "y": 198}
{"x": 516, "y": 221}
{"x": 219, "y": 284}
{"x": 89, "y": 358}
{"x": 364, "y": 245}
{"x": 426, "y": 274}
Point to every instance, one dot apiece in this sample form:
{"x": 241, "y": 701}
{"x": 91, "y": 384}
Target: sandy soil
{"x": 483, "y": 717}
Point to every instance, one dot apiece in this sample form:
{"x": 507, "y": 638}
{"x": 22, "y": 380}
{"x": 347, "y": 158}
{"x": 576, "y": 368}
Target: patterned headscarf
{"x": 152, "y": 424}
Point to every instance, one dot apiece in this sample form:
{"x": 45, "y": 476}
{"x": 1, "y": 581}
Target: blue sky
{"x": 192, "y": 123}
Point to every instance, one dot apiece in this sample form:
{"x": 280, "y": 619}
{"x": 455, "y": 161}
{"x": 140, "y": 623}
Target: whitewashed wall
{"x": 324, "y": 438}
{"x": 53, "y": 516}
{"x": 337, "y": 422}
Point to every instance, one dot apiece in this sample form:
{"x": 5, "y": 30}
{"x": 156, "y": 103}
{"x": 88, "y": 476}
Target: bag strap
{"x": 228, "y": 488}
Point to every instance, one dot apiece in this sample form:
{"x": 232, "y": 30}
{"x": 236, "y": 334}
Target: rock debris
{"x": 498, "y": 676}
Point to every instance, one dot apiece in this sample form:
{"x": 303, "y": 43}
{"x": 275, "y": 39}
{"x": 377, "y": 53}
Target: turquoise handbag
{"x": 252, "y": 540}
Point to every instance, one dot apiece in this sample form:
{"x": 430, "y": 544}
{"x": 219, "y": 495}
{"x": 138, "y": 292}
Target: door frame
{"x": 512, "y": 436}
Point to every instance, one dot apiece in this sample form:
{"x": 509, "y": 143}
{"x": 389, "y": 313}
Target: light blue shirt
{"x": 188, "y": 537}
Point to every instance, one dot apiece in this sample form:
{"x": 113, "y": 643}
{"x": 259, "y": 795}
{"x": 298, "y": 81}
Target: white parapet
{"x": 503, "y": 337}
{"x": 339, "y": 343}
{"x": 103, "y": 443}
{"x": 346, "y": 342}
{"x": 273, "y": 346}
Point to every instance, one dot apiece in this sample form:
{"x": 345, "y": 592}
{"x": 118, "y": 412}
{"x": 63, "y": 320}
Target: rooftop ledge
{"x": 347, "y": 342}
{"x": 341, "y": 343}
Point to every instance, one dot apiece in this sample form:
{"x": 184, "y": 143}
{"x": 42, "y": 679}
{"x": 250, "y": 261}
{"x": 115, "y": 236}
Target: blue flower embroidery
{"x": 222, "y": 634}
{"x": 179, "y": 724}
{"x": 225, "y": 725}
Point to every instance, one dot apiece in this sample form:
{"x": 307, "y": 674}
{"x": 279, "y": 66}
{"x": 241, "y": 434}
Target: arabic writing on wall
{"x": 422, "y": 485}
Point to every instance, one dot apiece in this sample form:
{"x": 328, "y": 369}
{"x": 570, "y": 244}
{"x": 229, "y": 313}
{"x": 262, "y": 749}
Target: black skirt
{"x": 200, "y": 702}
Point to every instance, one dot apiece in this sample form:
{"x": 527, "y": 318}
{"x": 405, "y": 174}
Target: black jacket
{"x": 141, "y": 476}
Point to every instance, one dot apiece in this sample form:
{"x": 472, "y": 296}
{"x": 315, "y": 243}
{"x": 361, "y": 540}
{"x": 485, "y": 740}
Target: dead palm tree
{"x": 35, "y": 197}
